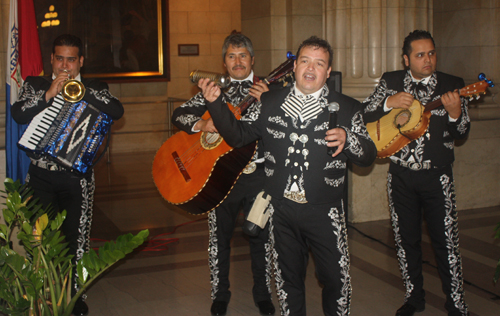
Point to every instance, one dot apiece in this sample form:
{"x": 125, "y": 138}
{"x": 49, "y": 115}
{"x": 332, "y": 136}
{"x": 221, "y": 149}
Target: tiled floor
{"x": 175, "y": 280}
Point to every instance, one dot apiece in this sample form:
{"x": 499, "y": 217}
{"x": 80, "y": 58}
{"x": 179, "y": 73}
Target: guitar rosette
{"x": 210, "y": 141}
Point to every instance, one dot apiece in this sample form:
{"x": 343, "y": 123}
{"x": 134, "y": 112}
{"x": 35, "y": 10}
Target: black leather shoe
{"x": 80, "y": 308}
{"x": 219, "y": 308}
{"x": 265, "y": 308}
{"x": 408, "y": 310}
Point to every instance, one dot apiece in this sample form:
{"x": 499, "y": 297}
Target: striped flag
{"x": 24, "y": 59}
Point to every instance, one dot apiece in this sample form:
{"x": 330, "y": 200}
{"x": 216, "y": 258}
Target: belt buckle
{"x": 250, "y": 168}
{"x": 297, "y": 197}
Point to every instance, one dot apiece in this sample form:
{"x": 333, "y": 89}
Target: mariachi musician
{"x": 52, "y": 183}
{"x": 238, "y": 56}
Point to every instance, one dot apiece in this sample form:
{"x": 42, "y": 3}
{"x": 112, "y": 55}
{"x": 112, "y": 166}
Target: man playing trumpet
{"x": 238, "y": 57}
{"x": 52, "y": 183}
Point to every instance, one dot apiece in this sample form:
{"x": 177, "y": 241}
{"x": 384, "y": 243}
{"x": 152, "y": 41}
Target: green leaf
{"x": 8, "y": 215}
{"x": 27, "y": 228}
{"x": 3, "y": 231}
{"x": 82, "y": 272}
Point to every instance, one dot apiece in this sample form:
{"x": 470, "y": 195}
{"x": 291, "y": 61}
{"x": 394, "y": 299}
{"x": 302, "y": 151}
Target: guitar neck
{"x": 245, "y": 103}
{"x": 432, "y": 105}
{"x": 468, "y": 91}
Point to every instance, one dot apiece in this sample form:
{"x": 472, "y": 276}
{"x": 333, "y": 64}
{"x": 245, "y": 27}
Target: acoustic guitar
{"x": 196, "y": 172}
{"x": 401, "y": 126}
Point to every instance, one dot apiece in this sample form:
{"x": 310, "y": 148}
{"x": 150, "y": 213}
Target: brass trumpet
{"x": 72, "y": 90}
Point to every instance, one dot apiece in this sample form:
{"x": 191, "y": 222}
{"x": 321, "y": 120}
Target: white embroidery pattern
{"x": 276, "y": 134}
{"x": 462, "y": 126}
{"x": 338, "y": 223}
{"x": 336, "y": 164}
{"x": 374, "y": 101}
{"x": 452, "y": 244}
{"x": 449, "y": 145}
{"x": 28, "y": 93}
{"x": 278, "y": 276}
{"x": 213, "y": 251}
{"x": 321, "y": 127}
{"x": 269, "y": 157}
{"x": 102, "y": 95}
{"x": 83, "y": 240}
{"x": 187, "y": 119}
{"x": 439, "y": 112}
{"x": 320, "y": 141}
{"x": 278, "y": 120}
{"x": 334, "y": 182}
{"x": 353, "y": 144}
{"x": 403, "y": 264}
{"x": 269, "y": 172}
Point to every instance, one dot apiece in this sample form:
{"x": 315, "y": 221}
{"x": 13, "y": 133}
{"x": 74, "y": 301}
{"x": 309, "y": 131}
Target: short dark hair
{"x": 238, "y": 40}
{"x": 68, "y": 40}
{"x": 413, "y": 36}
{"x": 317, "y": 42}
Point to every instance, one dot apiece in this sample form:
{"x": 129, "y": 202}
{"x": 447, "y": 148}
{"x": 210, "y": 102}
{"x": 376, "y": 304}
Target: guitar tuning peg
{"x": 482, "y": 77}
{"x": 289, "y": 55}
{"x": 477, "y": 97}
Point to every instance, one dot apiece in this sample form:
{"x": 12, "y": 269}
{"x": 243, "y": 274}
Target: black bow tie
{"x": 244, "y": 83}
{"x": 419, "y": 89}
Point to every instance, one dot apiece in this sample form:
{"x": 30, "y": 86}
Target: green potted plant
{"x": 39, "y": 283}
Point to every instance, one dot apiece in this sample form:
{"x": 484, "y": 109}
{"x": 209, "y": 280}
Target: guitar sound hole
{"x": 402, "y": 118}
{"x": 210, "y": 140}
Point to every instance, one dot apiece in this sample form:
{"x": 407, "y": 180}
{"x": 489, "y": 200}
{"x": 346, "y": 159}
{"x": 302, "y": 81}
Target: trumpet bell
{"x": 73, "y": 91}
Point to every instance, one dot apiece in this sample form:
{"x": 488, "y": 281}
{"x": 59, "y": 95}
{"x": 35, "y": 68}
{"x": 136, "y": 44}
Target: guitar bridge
{"x": 181, "y": 167}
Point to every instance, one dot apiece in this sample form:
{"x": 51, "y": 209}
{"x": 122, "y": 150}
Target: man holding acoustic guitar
{"x": 305, "y": 166}
{"x": 420, "y": 178}
{"x": 238, "y": 57}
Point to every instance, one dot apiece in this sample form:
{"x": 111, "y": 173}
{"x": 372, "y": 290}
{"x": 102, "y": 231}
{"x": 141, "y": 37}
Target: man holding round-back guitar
{"x": 238, "y": 57}
{"x": 420, "y": 179}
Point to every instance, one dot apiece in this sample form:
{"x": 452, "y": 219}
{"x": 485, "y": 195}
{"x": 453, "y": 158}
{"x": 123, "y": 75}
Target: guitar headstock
{"x": 476, "y": 89}
{"x": 283, "y": 71}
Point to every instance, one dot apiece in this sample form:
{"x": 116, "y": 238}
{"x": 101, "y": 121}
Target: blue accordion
{"x": 69, "y": 134}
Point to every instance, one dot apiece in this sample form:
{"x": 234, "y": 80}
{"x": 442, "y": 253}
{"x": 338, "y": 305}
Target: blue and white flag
{"x": 23, "y": 53}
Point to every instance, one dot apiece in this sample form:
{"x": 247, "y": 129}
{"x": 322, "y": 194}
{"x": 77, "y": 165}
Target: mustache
{"x": 238, "y": 66}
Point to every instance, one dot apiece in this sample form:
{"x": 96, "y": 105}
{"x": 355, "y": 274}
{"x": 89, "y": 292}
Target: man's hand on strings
{"x": 452, "y": 104}
{"x": 205, "y": 126}
{"x": 401, "y": 100}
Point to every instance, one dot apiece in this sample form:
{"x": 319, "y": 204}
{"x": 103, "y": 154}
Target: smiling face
{"x": 422, "y": 60}
{"x": 65, "y": 59}
{"x": 311, "y": 69}
{"x": 238, "y": 62}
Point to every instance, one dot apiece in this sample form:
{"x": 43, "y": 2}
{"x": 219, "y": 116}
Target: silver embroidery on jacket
{"x": 276, "y": 134}
{"x": 102, "y": 95}
{"x": 28, "y": 93}
{"x": 336, "y": 164}
{"x": 187, "y": 119}
{"x": 334, "y": 182}
{"x": 278, "y": 120}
